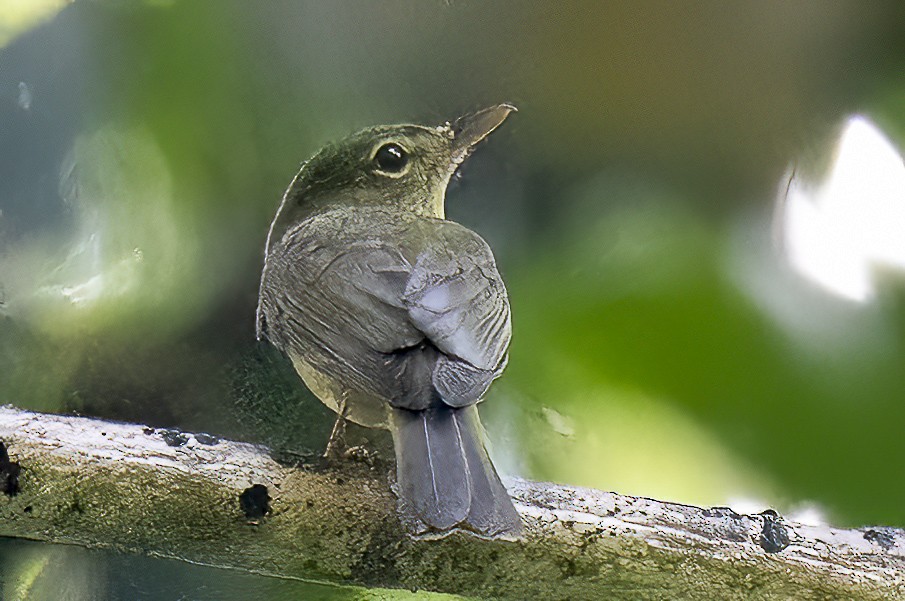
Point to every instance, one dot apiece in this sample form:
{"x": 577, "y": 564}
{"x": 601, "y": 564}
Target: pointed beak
{"x": 471, "y": 129}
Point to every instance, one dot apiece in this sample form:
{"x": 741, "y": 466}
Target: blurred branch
{"x": 192, "y": 497}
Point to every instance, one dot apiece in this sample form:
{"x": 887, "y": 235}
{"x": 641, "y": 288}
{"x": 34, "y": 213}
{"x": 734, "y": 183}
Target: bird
{"x": 394, "y": 316}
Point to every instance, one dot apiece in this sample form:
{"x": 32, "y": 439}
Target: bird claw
{"x": 336, "y": 445}
{"x": 360, "y": 454}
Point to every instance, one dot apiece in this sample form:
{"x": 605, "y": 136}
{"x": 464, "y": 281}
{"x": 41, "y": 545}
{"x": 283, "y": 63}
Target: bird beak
{"x": 471, "y": 129}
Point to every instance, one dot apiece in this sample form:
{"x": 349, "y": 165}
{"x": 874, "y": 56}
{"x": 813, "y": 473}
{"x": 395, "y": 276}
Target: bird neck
{"x": 435, "y": 206}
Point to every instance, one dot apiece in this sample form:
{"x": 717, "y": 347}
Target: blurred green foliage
{"x": 661, "y": 345}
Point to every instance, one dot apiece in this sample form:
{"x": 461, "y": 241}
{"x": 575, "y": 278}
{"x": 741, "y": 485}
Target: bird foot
{"x": 336, "y": 445}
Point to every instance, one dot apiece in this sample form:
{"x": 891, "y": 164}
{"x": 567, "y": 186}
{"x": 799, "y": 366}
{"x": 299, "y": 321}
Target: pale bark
{"x": 103, "y": 484}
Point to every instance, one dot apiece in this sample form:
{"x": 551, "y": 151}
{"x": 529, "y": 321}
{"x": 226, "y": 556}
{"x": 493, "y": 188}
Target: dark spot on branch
{"x": 206, "y": 439}
{"x": 174, "y": 438}
{"x": 775, "y": 536}
{"x": 148, "y": 431}
{"x": 9, "y": 473}
{"x": 885, "y": 537}
{"x": 255, "y": 502}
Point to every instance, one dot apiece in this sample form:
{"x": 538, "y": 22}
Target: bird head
{"x": 408, "y": 166}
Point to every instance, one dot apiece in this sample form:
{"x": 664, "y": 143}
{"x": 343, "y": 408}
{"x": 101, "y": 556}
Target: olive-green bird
{"x": 393, "y": 316}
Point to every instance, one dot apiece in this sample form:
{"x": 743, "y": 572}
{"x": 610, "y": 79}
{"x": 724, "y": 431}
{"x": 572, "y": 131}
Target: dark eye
{"x": 391, "y": 158}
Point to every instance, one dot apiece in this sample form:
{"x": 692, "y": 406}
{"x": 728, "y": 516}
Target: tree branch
{"x": 193, "y": 497}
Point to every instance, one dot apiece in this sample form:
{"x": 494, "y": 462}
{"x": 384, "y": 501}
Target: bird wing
{"x": 456, "y": 297}
{"x": 332, "y": 296}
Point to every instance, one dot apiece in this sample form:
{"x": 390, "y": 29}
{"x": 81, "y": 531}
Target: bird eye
{"x": 391, "y": 158}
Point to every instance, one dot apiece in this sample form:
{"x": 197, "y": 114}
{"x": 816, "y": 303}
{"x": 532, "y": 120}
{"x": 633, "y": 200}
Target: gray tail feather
{"x": 444, "y": 475}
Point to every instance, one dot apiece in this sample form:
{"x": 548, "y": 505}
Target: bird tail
{"x": 444, "y": 476}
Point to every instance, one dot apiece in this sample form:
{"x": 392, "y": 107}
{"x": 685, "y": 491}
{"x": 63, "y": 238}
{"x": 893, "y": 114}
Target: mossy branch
{"x": 193, "y": 497}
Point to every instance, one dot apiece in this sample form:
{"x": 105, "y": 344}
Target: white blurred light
{"x": 837, "y": 231}
{"x": 809, "y": 515}
{"x": 747, "y": 506}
